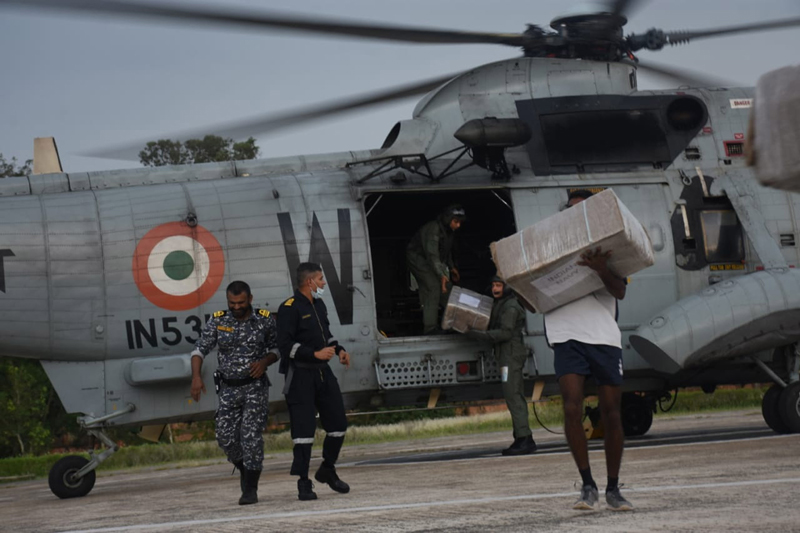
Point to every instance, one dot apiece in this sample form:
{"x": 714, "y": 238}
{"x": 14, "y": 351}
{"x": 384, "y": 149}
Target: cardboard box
{"x": 539, "y": 262}
{"x": 775, "y": 129}
{"x": 466, "y": 309}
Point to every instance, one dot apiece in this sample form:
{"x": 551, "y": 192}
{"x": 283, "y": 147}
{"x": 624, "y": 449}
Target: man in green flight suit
{"x": 505, "y": 333}
{"x": 429, "y": 257}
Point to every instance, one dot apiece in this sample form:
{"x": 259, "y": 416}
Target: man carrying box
{"x": 505, "y": 333}
{"x": 587, "y": 341}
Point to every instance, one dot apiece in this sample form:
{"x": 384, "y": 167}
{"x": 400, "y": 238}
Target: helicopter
{"x": 107, "y": 277}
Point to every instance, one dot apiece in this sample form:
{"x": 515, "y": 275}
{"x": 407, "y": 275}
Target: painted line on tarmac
{"x": 444, "y": 503}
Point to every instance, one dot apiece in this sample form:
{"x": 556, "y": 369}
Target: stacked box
{"x": 540, "y": 262}
{"x": 467, "y": 310}
{"x": 776, "y": 129}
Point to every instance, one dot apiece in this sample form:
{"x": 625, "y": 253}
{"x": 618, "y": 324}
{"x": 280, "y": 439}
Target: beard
{"x": 239, "y": 313}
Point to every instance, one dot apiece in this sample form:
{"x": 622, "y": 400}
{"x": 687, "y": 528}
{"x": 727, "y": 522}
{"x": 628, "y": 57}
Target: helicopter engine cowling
{"x": 736, "y": 317}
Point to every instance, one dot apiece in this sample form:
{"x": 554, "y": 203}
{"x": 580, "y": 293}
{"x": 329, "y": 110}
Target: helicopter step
{"x": 436, "y": 361}
{"x": 74, "y": 476}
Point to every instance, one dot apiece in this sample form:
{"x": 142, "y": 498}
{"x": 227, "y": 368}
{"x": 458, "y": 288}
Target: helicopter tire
{"x": 771, "y": 410}
{"x": 61, "y": 482}
{"x": 637, "y": 415}
{"x": 789, "y": 407}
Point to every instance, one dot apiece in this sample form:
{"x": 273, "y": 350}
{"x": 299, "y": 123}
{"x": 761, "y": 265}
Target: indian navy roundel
{"x": 178, "y": 267}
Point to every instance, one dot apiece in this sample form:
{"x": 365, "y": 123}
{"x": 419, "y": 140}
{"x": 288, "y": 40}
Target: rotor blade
{"x": 682, "y": 76}
{"x": 680, "y": 37}
{"x": 273, "y": 122}
{"x": 253, "y": 19}
{"x": 621, "y": 7}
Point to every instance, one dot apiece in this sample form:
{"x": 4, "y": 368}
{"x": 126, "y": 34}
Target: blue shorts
{"x": 600, "y": 361}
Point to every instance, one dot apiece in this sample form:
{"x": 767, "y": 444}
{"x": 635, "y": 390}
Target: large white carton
{"x": 467, "y": 310}
{"x": 540, "y": 262}
{"x": 774, "y": 139}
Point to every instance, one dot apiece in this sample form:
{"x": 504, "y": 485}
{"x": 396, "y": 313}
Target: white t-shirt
{"x": 591, "y": 319}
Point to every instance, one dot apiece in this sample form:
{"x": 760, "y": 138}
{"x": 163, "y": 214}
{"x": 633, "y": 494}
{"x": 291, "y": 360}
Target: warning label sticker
{"x": 741, "y": 103}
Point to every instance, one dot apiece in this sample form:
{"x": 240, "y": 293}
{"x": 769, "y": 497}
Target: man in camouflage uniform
{"x": 247, "y": 340}
{"x": 505, "y": 333}
{"x": 429, "y": 257}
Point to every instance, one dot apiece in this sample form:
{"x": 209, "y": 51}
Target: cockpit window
{"x": 722, "y": 235}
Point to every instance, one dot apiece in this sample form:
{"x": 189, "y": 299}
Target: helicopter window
{"x": 609, "y": 133}
{"x": 722, "y": 235}
{"x": 602, "y": 137}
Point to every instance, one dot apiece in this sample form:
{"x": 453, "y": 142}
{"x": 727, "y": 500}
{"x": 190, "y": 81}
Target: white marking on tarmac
{"x": 6, "y": 499}
{"x": 372, "y": 509}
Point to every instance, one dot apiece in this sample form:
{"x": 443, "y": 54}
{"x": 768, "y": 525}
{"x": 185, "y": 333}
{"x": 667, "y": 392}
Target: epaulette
{"x": 263, "y": 312}
{"x": 219, "y": 314}
{"x": 289, "y": 302}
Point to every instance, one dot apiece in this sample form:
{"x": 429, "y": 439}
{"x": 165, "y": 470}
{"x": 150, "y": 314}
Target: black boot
{"x": 521, "y": 446}
{"x": 250, "y": 492}
{"x": 305, "y": 490}
{"x": 327, "y": 474}
{"x": 240, "y": 466}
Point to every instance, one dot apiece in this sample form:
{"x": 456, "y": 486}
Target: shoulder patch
{"x": 263, "y": 312}
{"x": 289, "y": 302}
{"x": 219, "y": 314}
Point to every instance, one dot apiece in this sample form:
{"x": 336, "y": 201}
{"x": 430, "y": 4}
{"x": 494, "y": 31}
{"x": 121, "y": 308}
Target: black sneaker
{"x": 305, "y": 490}
{"x": 521, "y": 446}
{"x": 328, "y": 475}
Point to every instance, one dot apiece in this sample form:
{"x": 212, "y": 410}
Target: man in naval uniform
{"x": 247, "y": 340}
{"x": 306, "y": 346}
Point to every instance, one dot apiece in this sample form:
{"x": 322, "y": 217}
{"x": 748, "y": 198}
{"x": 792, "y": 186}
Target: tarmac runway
{"x": 722, "y": 471}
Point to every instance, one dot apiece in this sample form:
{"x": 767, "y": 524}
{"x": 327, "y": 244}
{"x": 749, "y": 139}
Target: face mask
{"x": 317, "y": 294}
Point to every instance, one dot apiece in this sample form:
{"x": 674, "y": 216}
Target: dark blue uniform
{"x": 311, "y": 387}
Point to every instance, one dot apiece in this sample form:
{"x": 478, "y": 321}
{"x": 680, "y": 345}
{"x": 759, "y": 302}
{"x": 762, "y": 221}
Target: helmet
{"x": 498, "y": 279}
{"x": 454, "y": 211}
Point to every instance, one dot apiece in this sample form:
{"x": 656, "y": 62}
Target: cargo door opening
{"x": 394, "y": 218}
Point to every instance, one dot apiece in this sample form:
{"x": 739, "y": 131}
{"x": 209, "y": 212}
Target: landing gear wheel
{"x": 771, "y": 411}
{"x": 61, "y": 478}
{"x": 789, "y": 407}
{"x": 637, "y": 415}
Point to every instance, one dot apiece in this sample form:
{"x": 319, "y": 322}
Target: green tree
{"x": 208, "y": 149}
{"x": 163, "y": 152}
{"x": 10, "y": 168}
{"x": 245, "y": 150}
{"x": 24, "y": 405}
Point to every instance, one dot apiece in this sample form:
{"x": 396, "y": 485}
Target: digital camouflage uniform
{"x": 243, "y": 410}
{"x": 505, "y": 332}
{"x": 429, "y": 256}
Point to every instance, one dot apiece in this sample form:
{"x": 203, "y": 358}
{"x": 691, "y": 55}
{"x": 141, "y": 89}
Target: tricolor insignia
{"x": 289, "y": 302}
{"x": 178, "y": 267}
{"x": 263, "y": 312}
{"x": 219, "y": 314}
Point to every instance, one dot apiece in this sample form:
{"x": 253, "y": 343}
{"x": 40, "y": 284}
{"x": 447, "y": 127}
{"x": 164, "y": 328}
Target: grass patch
{"x": 550, "y": 413}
